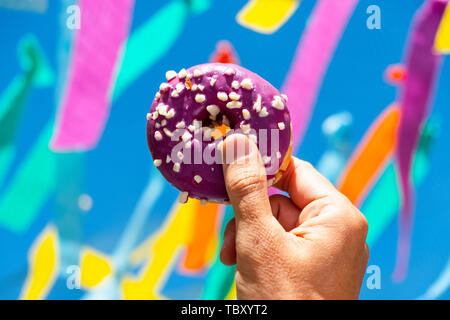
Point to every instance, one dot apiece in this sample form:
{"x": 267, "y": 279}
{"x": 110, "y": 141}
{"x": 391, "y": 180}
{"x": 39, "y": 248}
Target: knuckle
{"x": 359, "y": 222}
{"x": 356, "y": 220}
{"x": 341, "y": 206}
{"x": 243, "y": 184}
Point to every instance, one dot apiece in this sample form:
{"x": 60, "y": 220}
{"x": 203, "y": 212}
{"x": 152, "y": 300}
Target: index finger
{"x": 304, "y": 183}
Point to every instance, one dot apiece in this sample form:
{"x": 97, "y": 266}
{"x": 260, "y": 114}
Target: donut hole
{"x": 219, "y": 127}
{"x": 220, "y": 131}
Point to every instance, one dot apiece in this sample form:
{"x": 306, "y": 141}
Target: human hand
{"x": 309, "y": 246}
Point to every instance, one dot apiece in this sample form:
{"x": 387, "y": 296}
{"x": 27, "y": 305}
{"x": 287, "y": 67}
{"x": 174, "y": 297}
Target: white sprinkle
{"x": 247, "y": 84}
{"x": 197, "y": 178}
{"x": 149, "y": 116}
{"x": 186, "y": 136}
{"x": 257, "y": 105}
{"x": 168, "y": 159}
{"x": 234, "y": 105}
{"x": 183, "y": 197}
{"x": 277, "y": 103}
{"x": 191, "y": 128}
{"x": 245, "y": 128}
{"x": 188, "y": 144}
{"x": 200, "y": 98}
{"x": 246, "y": 114}
{"x": 170, "y": 75}
{"x": 194, "y": 87}
{"x": 197, "y": 73}
{"x": 157, "y": 95}
{"x": 164, "y": 87}
{"x": 222, "y": 96}
{"x": 278, "y": 155}
{"x": 167, "y": 132}
{"x": 213, "y": 111}
{"x": 235, "y": 84}
{"x": 266, "y": 159}
{"x": 180, "y": 155}
{"x": 157, "y": 162}
{"x": 182, "y": 74}
{"x": 170, "y": 114}
{"x": 281, "y": 125}
{"x": 180, "y": 125}
{"x": 234, "y": 96}
{"x": 230, "y": 71}
{"x": 158, "y": 136}
{"x": 179, "y": 87}
{"x": 174, "y": 94}
{"x": 176, "y": 167}
{"x": 263, "y": 113}
{"x": 162, "y": 109}
{"x": 213, "y": 81}
{"x": 285, "y": 97}
{"x": 201, "y": 87}
{"x": 163, "y": 122}
{"x": 157, "y": 125}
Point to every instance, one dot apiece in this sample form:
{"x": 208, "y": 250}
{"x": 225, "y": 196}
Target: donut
{"x": 197, "y": 108}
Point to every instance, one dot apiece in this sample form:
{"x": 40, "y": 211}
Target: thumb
{"x": 246, "y": 183}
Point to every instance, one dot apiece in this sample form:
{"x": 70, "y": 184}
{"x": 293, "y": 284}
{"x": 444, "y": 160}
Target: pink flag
{"x": 421, "y": 69}
{"x": 95, "y": 55}
{"x": 314, "y": 53}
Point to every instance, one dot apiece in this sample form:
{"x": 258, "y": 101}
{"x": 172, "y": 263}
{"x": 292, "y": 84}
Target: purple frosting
{"x": 213, "y": 94}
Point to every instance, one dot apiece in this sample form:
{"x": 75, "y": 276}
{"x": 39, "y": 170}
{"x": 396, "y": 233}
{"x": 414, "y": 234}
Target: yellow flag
{"x": 442, "y": 44}
{"x": 163, "y": 251}
{"x": 266, "y": 16}
{"x": 43, "y": 259}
